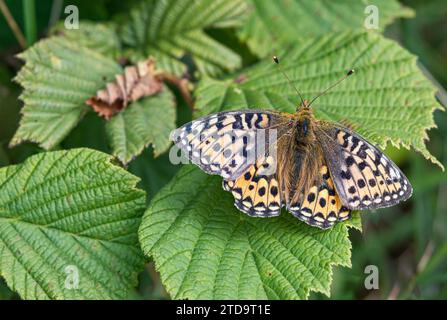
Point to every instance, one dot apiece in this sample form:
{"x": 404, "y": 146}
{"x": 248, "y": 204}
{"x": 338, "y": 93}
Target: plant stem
{"x": 29, "y": 15}
{"x": 56, "y": 9}
{"x": 181, "y": 84}
{"x": 12, "y": 24}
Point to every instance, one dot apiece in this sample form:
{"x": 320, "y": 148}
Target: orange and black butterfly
{"x": 318, "y": 170}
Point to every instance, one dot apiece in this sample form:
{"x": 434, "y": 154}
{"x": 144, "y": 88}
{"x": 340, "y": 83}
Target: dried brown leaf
{"x": 134, "y": 83}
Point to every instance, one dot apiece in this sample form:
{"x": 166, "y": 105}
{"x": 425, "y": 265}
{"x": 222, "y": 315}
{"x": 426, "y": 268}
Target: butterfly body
{"x": 318, "y": 170}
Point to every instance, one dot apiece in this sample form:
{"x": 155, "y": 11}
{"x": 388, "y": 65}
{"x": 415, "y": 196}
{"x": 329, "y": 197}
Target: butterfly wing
{"x": 364, "y": 177}
{"x": 241, "y": 147}
{"x": 319, "y": 205}
{"x": 228, "y": 143}
{"x": 256, "y": 192}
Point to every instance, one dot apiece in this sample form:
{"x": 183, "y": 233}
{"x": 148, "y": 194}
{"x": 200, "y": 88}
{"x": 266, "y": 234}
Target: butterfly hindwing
{"x": 256, "y": 192}
{"x": 320, "y": 206}
{"x": 226, "y": 143}
{"x": 364, "y": 177}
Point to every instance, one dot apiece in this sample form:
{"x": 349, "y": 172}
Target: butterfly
{"x": 320, "y": 171}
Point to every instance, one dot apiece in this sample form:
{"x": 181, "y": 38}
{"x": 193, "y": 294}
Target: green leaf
{"x": 99, "y": 37}
{"x": 388, "y": 99}
{"x": 144, "y": 122}
{"x": 65, "y": 212}
{"x": 276, "y": 24}
{"x": 204, "y": 248}
{"x": 169, "y": 30}
{"x": 58, "y": 77}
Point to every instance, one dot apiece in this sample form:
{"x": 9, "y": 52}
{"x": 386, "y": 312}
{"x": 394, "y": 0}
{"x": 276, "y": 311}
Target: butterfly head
{"x": 303, "y": 105}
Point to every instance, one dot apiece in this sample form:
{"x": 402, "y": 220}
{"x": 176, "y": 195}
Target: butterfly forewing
{"x": 364, "y": 177}
{"x": 228, "y": 143}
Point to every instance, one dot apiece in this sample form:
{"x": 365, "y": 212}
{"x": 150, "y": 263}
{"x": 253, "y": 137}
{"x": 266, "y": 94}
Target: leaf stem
{"x": 56, "y": 9}
{"x": 12, "y": 24}
{"x": 181, "y": 84}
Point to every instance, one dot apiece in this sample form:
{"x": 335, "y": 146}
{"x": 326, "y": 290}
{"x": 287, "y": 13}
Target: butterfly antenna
{"x": 350, "y": 72}
{"x": 276, "y": 60}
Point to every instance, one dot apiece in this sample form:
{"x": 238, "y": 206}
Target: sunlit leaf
{"x": 58, "y": 77}
{"x": 204, "y": 248}
{"x": 68, "y": 222}
{"x": 95, "y": 36}
{"x": 144, "y": 122}
{"x": 169, "y": 30}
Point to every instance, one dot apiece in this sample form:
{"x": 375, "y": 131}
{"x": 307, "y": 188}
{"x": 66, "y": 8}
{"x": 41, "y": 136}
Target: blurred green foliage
{"x": 408, "y": 243}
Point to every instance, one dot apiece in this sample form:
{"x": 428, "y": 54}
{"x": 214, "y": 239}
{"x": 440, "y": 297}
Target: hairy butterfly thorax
{"x": 318, "y": 170}
{"x": 304, "y": 124}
